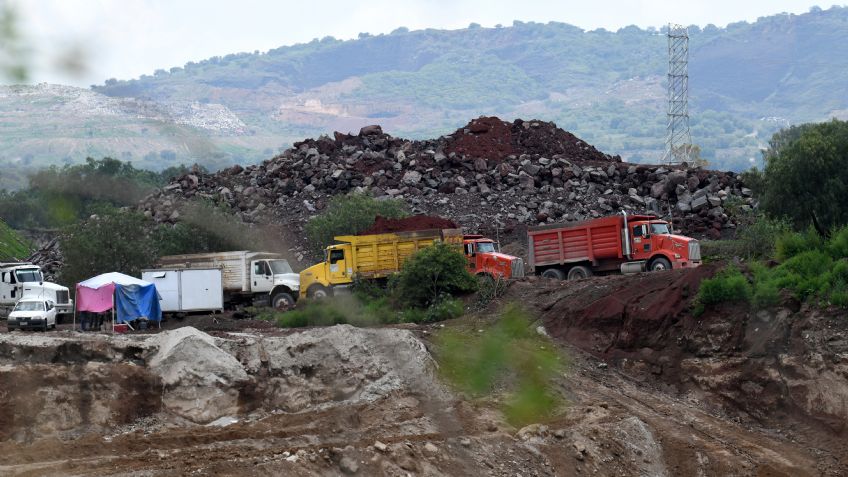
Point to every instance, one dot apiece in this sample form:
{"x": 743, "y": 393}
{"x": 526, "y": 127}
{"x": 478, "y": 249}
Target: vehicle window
{"x": 28, "y": 275}
{"x": 336, "y": 255}
{"x": 258, "y": 269}
{"x": 469, "y": 249}
{"x": 485, "y": 247}
{"x": 29, "y": 306}
{"x": 280, "y": 266}
{"x": 661, "y": 229}
{"x": 637, "y": 231}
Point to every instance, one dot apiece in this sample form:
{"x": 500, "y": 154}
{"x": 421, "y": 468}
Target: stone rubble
{"x": 488, "y": 174}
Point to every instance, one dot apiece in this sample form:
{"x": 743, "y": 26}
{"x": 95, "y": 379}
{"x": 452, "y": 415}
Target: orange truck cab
{"x": 484, "y": 258}
{"x": 619, "y": 243}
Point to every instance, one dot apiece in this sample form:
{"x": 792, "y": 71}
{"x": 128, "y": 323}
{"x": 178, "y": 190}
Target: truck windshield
{"x": 485, "y": 247}
{"x": 280, "y": 266}
{"x": 28, "y": 275}
{"x": 659, "y": 229}
{"x": 30, "y": 306}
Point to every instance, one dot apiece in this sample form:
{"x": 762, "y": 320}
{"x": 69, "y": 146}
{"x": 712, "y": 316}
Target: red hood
{"x": 501, "y": 256}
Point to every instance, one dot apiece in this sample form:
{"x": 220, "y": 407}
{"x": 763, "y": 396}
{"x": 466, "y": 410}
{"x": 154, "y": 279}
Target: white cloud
{"x": 127, "y": 38}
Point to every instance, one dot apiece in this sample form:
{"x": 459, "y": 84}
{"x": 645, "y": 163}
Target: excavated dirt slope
{"x": 650, "y": 390}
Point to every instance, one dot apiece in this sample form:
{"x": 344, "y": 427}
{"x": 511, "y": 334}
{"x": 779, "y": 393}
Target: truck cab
{"x": 13, "y": 276}
{"x": 484, "y": 259}
{"x": 276, "y": 278}
{"x": 651, "y": 240}
{"x": 334, "y": 271}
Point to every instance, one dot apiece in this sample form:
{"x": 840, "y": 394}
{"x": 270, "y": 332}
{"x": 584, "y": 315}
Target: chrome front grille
{"x": 517, "y": 268}
{"x": 694, "y": 251}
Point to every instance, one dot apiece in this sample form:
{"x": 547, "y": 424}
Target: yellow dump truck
{"x": 368, "y": 257}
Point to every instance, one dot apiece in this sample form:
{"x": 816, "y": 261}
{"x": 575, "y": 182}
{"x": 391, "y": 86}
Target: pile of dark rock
{"x": 49, "y": 258}
{"x": 490, "y": 176}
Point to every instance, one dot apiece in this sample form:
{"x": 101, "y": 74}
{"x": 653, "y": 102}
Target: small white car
{"x": 32, "y": 314}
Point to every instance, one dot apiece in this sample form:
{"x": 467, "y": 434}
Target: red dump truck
{"x": 619, "y": 243}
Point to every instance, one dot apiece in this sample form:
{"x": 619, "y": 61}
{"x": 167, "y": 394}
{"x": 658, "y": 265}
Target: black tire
{"x": 10, "y": 328}
{"x": 44, "y": 327}
{"x": 579, "y": 271}
{"x": 553, "y": 274}
{"x": 318, "y": 292}
{"x": 659, "y": 264}
{"x": 282, "y": 300}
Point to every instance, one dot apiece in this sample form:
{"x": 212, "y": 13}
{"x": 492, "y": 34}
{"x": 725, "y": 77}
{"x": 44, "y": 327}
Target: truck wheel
{"x": 579, "y": 271}
{"x": 318, "y": 292}
{"x": 282, "y": 300}
{"x": 553, "y": 274}
{"x": 659, "y": 264}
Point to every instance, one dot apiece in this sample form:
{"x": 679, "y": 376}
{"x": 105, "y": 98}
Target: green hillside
{"x": 746, "y": 81}
{"x": 13, "y": 247}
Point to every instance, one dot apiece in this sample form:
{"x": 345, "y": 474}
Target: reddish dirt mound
{"x": 487, "y": 137}
{"x": 539, "y": 137}
{"x": 494, "y": 139}
{"x": 383, "y": 225}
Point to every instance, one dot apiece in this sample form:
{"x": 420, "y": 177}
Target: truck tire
{"x": 282, "y": 300}
{"x": 659, "y": 264}
{"x": 318, "y": 292}
{"x": 553, "y": 274}
{"x": 579, "y": 271}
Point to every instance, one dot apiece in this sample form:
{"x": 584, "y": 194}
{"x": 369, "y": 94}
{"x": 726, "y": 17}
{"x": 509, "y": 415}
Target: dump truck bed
{"x": 383, "y": 254}
{"x": 588, "y": 240}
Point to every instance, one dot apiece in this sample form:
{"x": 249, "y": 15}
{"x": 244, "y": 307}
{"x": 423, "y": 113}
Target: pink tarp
{"x": 96, "y": 300}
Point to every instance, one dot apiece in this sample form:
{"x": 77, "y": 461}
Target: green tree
{"x": 431, "y": 274}
{"x": 112, "y": 240}
{"x": 350, "y": 214}
{"x": 806, "y": 175}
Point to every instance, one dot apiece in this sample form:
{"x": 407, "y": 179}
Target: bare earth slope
{"x": 651, "y": 391}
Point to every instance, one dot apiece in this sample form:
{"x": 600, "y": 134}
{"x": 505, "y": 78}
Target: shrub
{"x": 430, "y": 274}
{"x": 757, "y": 238}
{"x": 839, "y": 295}
{"x": 509, "y": 355}
{"x": 727, "y": 286}
{"x": 489, "y": 289}
{"x": 766, "y": 294}
{"x": 350, "y": 214}
{"x": 837, "y": 246}
{"x": 790, "y": 244}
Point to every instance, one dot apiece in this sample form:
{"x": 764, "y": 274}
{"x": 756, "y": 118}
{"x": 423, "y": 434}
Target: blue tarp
{"x": 137, "y": 301}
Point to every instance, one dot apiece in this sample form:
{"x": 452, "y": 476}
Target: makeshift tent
{"x": 128, "y": 297}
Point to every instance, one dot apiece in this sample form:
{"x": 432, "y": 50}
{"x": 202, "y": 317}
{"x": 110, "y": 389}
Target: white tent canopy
{"x": 113, "y": 277}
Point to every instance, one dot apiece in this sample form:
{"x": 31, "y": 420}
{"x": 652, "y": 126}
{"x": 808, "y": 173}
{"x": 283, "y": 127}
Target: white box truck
{"x": 188, "y": 289}
{"x": 259, "y": 278}
{"x": 21, "y": 279}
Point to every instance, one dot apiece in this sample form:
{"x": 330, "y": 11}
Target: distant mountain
{"x": 746, "y": 81}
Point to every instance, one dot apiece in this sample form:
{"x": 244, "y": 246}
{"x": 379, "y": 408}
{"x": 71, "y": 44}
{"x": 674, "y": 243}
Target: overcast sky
{"x": 126, "y": 38}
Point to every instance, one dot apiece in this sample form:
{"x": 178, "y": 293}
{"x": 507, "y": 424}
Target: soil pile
{"x": 204, "y": 391}
{"x": 494, "y": 139}
{"x": 383, "y": 225}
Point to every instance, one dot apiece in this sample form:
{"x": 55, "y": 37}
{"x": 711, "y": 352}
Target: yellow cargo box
{"x": 368, "y": 257}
